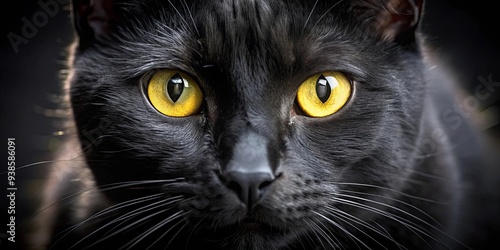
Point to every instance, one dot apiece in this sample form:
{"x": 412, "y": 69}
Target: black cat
{"x": 246, "y": 124}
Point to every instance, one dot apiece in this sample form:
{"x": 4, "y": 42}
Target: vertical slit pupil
{"x": 323, "y": 89}
{"x": 175, "y": 86}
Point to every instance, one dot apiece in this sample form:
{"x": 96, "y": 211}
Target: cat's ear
{"x": 393, "y": 20}
{"x": 93, "y": 19}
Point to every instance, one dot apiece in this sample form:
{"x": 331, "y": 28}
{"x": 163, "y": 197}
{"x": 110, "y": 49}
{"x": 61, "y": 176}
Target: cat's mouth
{"x": 244, "y": 234}
{"x": 250, "y": 225}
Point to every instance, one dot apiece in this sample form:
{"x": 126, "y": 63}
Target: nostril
{"x": 233, "y": 185}
{"x": 249, "y": 187}
{"x": 264, "y": 184}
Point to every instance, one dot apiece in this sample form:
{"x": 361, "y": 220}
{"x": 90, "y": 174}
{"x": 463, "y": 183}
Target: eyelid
{"x": 144, "y": 80}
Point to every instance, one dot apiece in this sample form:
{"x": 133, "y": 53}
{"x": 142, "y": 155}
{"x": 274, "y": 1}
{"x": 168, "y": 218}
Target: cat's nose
{"x": 249, "y": 172}
{"x": 249, "y": 186}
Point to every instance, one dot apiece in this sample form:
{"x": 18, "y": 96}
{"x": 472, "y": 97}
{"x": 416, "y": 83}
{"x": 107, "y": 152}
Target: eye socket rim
{"x": 145, "y": 81}
{"x": 299, "y": 110}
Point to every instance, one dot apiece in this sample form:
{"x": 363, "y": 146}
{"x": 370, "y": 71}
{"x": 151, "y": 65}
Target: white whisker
{"x": 145, "y": 234}
{"x": 343, "y": 230}
{"x": 317, "y": 229}
{"x": 106, "y": 211}
{"x": 326, "y": 12}
{"x": 345, "y": 217}
{"x": 125, "y": 217}
{"x": 392, "y": 190}
{"x": 193, "y": 230}
{"x": 105, "y": 187}
{"x": 175, "y": 235}
{"x": 392, "y": 207}
{"x": 309, "y": 16}
{"x": 125, "y": 228}
{"x": 398, "y": 201}
{"x": 179, "y": 13}
{"x": 408, "y": 224}
{"x": 190, "y": 15}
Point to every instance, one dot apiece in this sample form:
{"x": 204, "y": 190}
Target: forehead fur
{"x": 226, "y": 31}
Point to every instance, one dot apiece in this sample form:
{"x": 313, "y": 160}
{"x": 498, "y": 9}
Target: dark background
{"x": 462, "y": 34}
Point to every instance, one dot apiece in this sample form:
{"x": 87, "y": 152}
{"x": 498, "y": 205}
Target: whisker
{"x": 317, "y": 229}
{"x": 134, "y": 212}
{"x": 151, "y": 230}
{"x": 106, "y": 211}
{"x": 392, "y": 190}
{"x": 178, "y": 12}
{"x": 398, "y": 201}
{"x": 127, "y": 227}
{"x": 408, "y": 224}
{"x": 56, "y": 161}
{"x": 175, "y": 235}
{"x": 336, "y": 213}
{"x": 434, "y": 177}
{"x": 117, "y": 185}
{"x": 129, "y": 215}
{"x": 186, "y": 7}
{"x": 192, "y": 231}
{"x": 309, "y": 239}
{"x": 309, "y": 16}
{"x": 105, "y": 187}
{"x": 392, "y": 207}
{"x": 388, "y": 235}
{"x": 45, "y": 162}
{"x": 343, "y": 230}
{"x": 326, "y": 12}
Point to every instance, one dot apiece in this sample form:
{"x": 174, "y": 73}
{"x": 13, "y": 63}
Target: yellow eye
{"x": 324, "y": 94}
{"x": 174, "y": 93}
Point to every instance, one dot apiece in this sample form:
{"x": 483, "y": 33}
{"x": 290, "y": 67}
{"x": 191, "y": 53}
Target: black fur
{"x": 371, "y": 176}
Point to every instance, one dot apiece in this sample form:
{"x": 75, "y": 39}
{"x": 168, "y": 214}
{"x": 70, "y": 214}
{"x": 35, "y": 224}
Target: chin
{"x": 247, "y": 234}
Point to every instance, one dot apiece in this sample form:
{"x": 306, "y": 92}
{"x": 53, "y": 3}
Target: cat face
{"x": 246, "y": 123}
